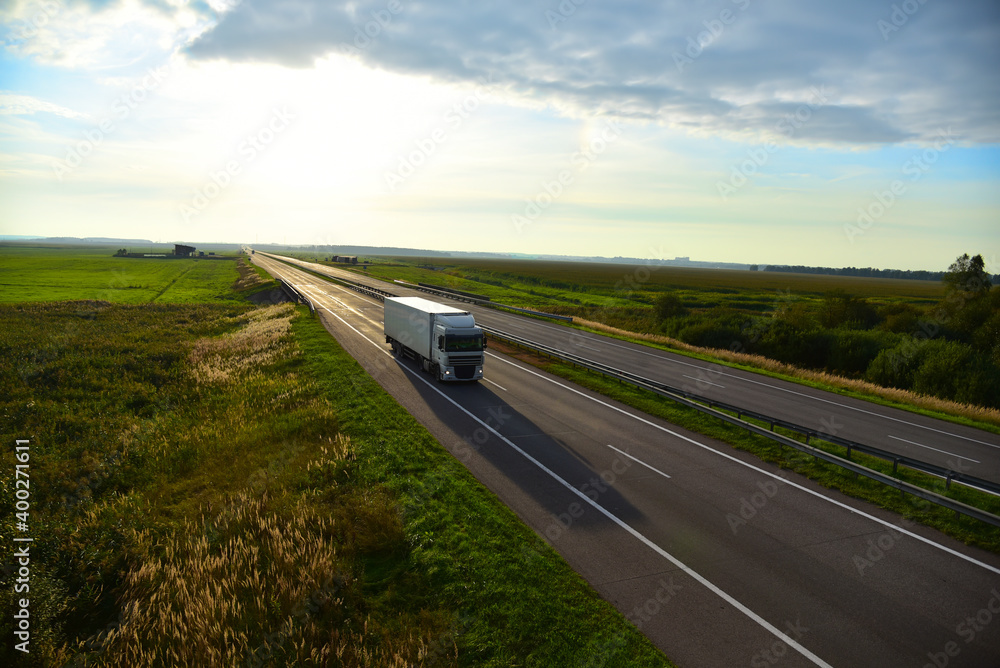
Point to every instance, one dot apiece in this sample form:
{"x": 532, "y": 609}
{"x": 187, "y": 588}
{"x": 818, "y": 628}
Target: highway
{"x": 719, "y": 559}
{"x": 954, "y": 447}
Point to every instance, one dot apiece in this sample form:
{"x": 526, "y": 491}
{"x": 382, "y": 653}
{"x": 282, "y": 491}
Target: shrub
{"x": 669, "y": 305}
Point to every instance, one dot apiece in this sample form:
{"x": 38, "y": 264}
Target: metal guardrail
{"x": 699, "y": 403}
{"x": 296, "y": 295}
{"x": 481, "y": 302}
{"x": 461, "y": 293}
{"x": 695, "y": 401}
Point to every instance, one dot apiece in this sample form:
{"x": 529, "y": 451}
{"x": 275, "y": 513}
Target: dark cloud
{"x": 727, "y": 65}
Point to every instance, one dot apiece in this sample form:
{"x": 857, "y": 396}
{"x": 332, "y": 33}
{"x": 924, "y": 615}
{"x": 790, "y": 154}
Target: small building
{"x": 184, "y": 251}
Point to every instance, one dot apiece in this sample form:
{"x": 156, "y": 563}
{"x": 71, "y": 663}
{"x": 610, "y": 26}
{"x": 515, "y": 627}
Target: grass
{"x": 608, "y": 284}
{"x": 968, "y": 530}
{"x": 616, "y": 300}
{"x": 30, "y": 274}
{"x": 979, "y": 417}
{"x": 218, "y": 484}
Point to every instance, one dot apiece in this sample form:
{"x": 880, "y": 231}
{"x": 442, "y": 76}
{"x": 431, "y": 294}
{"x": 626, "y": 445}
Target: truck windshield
{"x": 457, "y": 343}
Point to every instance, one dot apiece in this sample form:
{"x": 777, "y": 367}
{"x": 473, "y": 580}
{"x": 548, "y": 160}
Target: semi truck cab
{"x": 445, "y": 340}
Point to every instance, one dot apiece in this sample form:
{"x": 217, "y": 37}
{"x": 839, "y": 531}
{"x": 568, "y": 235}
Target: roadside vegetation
{"x": 912, "y": 509}
{"x": 221, "y": 484}
{"x": 933, "y": 345}
{"x": 37, "y": 274}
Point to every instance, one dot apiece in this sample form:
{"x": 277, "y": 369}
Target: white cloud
{"x": 14, "y": 104}
{"x": 666, "y": 62}
{"x": 100, "y": 35}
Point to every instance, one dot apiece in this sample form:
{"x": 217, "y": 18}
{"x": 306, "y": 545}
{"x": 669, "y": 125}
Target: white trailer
{"x": 445, "y": 340}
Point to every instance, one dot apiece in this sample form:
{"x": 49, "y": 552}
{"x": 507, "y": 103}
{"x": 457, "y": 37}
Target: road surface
{"x": 719, "y": 559}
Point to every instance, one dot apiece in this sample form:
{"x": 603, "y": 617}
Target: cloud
{"x": 100, "y": 34}
{"x": 13, "y": 104}
{"x": 731, "y": 67}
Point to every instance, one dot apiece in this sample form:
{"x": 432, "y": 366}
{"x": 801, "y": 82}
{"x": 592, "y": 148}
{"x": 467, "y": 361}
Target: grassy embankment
{"x": 965, "y": 529}
{"x": 219, "y": 484}
{"x": 758, "y": 313}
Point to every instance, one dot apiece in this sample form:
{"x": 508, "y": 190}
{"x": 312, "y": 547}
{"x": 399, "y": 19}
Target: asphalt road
{"x": 719, "y": 559}
{"x": 955, "y": 447}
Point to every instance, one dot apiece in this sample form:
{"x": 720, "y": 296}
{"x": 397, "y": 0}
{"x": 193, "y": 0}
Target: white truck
{"x": 445, "y": 340}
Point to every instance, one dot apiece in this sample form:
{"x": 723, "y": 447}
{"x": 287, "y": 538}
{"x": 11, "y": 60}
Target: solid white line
{"x": 636, "y": 459}
{"x": 665, "y": 356}
{"x": 706, "y": 382}
{"x": 611, "y": 516}
{"x": 639, "y": 536}
{"x": 761, "y": 471}
{"x": 921, "y": 445}
{"x": 731, "y": 458}
{"x": 497, "y": 384}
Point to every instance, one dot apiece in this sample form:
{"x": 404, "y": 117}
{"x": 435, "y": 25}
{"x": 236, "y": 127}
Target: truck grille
{"x": 465, "y": 367}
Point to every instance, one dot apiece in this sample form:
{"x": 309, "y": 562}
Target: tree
{"x": 967, "y": 275}
{"x": 669, "y": 306}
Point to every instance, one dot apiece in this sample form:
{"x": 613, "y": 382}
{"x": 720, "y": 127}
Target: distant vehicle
{"x": 445, "y": 340}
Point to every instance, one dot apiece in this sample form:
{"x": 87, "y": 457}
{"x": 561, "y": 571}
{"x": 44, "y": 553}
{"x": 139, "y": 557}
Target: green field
{"x": 220, "y": 484}
{"x": 907, "y": 341}
{"x": 30, "y": 274}
{"x": 535, "y": 282}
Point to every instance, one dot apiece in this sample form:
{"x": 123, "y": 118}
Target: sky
{"x": 856, "y": 133}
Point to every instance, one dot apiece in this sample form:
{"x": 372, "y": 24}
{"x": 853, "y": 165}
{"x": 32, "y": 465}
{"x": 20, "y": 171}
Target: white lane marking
{"x": 701, "y": 381}
{"x": 305, "y": 276}
{"x": 748, "y": 465}
{"x": 636, "y": 459}
{"x": 816, "y": 494}
{"x": 921, "y": 445}
{"x": 611, "y": 516}
{"x": 664, "y": 357}
{"x": 497, "y": 384}
{"x": 330, "y": 298}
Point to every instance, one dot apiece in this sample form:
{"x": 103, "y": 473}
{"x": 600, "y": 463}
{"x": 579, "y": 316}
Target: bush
{"x": 669, "y": 306}
{"x": 721, "y": 329}
{"x": 786, "y": 343}
{"x": 853, "y": 351}
{"x": 940, "y": 368}
{"x": 843, "y": 310}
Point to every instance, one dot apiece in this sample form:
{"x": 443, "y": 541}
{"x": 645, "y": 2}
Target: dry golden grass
{"x": 264, "y": 338}
{"x": 249, "y": 278}
{"x": 266, "y": 581}
{"x": 980, "y": 413}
